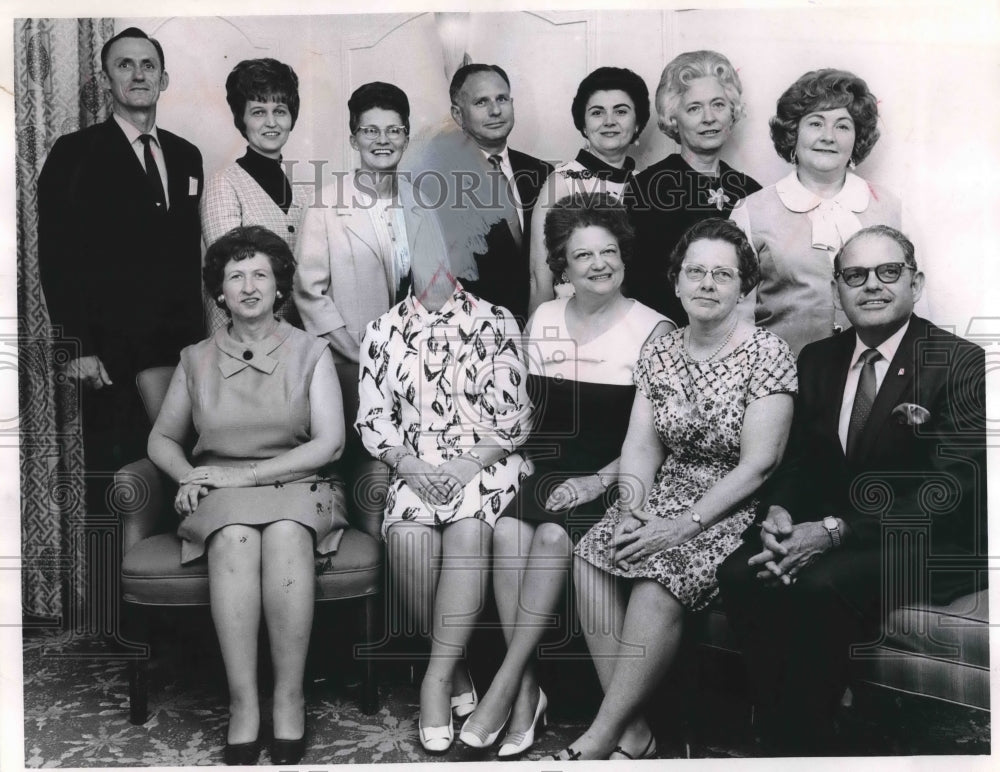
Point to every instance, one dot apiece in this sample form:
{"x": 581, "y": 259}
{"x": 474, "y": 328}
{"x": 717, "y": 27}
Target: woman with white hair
{"x": 698, "y": 102}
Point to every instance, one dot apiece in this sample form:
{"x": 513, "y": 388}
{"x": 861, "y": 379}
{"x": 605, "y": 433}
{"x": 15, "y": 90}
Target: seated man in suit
{"x": 119, "y": 250}
{"x": 490, "y": 189}
{"x": 884, "y": 475}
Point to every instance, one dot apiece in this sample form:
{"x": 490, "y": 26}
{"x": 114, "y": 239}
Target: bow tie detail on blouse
{"x": 834, "y": 220}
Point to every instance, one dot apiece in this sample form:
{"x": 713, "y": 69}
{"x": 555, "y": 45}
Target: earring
{"x": 793, "y": 158}
{"x": 586, "y": 144}
{"x": 851, "y": 165}
{"x": 278, "y": 295}
{"x": 221, "y": 299}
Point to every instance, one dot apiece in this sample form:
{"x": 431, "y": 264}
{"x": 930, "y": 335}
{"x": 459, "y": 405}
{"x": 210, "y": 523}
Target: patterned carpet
{"x": 76, "y": 714}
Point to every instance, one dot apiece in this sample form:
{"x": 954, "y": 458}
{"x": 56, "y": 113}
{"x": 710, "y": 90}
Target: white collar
{"x": 504, "y": 155}
{"x": 886, "y": 348}
{"x": 132, "y": 133}
{"x": 834, "y": 219}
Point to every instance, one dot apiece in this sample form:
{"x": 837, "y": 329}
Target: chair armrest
{"x": 138, "y": 499}
{"x": 367, "y": 487}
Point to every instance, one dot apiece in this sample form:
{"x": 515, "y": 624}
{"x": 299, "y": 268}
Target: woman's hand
{"x": 573, "y": 492}
{"x": 622, "y": 533}
{"x": 187, "y": 498}
{"x": 220, "y": 477}
{"x": 654, "y": 535}
{"x": 436, "y": 489}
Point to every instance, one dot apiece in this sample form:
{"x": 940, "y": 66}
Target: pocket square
{"x": 911, "y": 414}
{"x": 192, "y": 186}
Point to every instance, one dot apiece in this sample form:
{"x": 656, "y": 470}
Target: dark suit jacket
{"x": 121, "y": 276}
{"x": 503, "y": 269}
{"x": 909, "y": 475}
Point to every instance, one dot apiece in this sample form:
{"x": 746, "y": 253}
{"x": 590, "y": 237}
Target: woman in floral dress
{"x": 708, "y": 426}
{"x": 443, "y": 402}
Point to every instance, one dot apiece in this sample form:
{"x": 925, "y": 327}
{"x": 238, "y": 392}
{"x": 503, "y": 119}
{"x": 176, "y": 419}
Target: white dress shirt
{"x": 508, "y": 172}
{"x": 887, "y": 349}
{"x": 133, "y": 134}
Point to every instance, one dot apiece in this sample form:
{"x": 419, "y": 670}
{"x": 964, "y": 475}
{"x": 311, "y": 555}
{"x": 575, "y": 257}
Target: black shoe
{"x": 241, "y": 754}
{"x": 288, "y": 751}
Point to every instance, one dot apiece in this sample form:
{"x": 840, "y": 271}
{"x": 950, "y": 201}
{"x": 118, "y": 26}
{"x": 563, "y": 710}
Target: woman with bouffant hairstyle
{"x": 824, "y": 125}
{"x": 698, "y": 103}
{"x": 263, "y": 95}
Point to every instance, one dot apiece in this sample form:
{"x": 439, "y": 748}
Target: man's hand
{"x": 806, "y": 542}
{"x": 89, "y": 371}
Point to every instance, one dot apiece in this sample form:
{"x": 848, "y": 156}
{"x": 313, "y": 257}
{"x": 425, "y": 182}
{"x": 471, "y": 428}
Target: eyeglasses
{"x": 887, "y": 273}
{"x": 374, "y": 132}
{"x": 719, "y": 275}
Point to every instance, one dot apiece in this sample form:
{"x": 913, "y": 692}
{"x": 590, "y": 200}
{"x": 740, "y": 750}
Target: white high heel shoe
{"x": 436, "y": 739}
{"x": 475, "y": 736}
{"x": 516, "y": 743}
{"x": 463, "y": 704}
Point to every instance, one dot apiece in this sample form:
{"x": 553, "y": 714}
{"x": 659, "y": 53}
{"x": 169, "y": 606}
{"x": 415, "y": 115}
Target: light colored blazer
{"x": 343, "y": 279}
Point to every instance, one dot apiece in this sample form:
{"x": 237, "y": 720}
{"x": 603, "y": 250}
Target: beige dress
{"x": 250, "y": 402}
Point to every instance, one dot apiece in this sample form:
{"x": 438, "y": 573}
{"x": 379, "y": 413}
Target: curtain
{"x": 56, "y": 62}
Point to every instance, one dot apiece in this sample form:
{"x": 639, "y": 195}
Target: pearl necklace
{"x": 714, "y": 354}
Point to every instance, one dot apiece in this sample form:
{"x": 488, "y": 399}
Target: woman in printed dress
{"x": 443, "y": 402}
{"x": 709, "y": 424}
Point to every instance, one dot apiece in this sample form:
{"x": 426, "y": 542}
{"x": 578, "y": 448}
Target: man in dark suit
{"x": 880, "y": 500}
{"x": 483, "y": 108}
{"x": 120, "y": 252}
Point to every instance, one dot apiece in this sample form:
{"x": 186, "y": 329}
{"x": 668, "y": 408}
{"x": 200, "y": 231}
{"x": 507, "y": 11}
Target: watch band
{"x": 832, "y": 530}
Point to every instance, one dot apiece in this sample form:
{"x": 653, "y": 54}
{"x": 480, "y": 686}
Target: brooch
{"x": 719, "y": 198}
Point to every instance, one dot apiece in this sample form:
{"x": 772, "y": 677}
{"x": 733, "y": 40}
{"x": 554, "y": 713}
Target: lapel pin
{"x": 902, "y": 370}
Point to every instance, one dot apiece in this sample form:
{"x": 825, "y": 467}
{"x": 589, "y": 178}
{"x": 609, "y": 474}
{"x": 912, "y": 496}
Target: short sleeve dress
{"x": 698, "y": 415}
{"x": 583, "y": 397}
{"x": 250, "y": 402}
{"x": 436, "y": 382}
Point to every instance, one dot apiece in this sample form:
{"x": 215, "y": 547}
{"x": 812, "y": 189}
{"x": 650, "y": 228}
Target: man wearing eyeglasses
{"x": 883, "y": 479}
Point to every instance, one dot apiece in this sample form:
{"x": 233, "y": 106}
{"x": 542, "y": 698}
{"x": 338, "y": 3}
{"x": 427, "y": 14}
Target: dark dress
{"x": 580, "y": 421}
{"x": 670, "y": 197}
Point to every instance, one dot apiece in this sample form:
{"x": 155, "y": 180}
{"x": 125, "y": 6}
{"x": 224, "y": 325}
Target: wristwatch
{"x": 832, "y": 529}
{"x": 697, "y": 520}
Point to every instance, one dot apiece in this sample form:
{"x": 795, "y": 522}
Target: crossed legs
{"x": 267, "y": 571}
{"x": 530, "y": 568}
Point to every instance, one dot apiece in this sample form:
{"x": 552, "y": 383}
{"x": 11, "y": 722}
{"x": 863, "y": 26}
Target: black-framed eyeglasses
{"x": 887, "y": 273}
{"x": 374, "y": 132}
{"x": 719, "y": 275}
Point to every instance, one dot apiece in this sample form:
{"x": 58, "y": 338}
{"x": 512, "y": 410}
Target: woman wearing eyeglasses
{"x": 263, "y": 95}
{"x": 712, "y": 411}
{"x": 825, "y": 124}
{"x": 355, "y": 251}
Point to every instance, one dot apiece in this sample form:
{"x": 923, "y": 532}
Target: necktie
{"x": 863, "y": 400}
{"x": 152, "y": 171}
{"x": 507, "y": 199}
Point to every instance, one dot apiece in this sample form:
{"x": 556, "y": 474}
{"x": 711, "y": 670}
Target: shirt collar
{"x": 854, "y": 196}
{"x": 886, "y": 348}
{"x": 132, "y": 134}
{"x": 237, "y": 356}
{"x": 504, "y": 156}
{"x": 834, "y": 219}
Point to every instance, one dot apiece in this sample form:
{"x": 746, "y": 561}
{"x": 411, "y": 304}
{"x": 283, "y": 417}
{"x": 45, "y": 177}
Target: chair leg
{"x": 138, "y": 667}
{"x": 369, "y": 685}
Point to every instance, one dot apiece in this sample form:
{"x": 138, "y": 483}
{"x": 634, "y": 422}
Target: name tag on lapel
{"x": 192, "y": 186}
